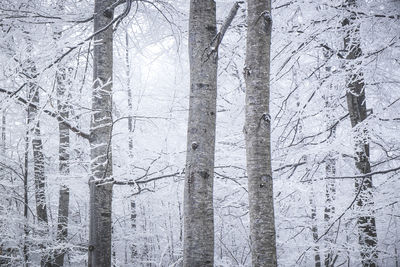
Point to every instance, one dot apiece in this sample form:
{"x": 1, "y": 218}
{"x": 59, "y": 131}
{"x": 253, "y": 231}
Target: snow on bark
{"x": 100, "y": 138}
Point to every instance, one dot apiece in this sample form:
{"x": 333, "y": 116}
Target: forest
{"x": 200, "y": 133}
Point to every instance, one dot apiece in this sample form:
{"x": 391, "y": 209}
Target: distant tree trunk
{"x": 131, "y": 129}
{"x": 100, "y": 226}
{"x": 26, "y": 199}
{"x": 3, "y": 131}
{"x": 38, "y": 157}
{"x": 313, "y": 206}
{"x": 199, "y": 174}
{"x": 37, "y": 146}
{"x": 329, "y": 211}
{"x": 314, "y": 228}
{"x": 330, "y": 170}
{"x": 258, "y": 133}
{"x": 356, "y": 104}
{"x": 63, "y": 156}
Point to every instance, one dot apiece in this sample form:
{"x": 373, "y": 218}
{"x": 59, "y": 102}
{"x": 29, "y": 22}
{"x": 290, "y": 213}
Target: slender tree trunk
{"x": 3, "y": 131}
{"x": 199, "y": 175}
{"x": 100, "y": 226}
{"x": 131, "y": 129}
{"x": 356, "y": 104}
{"x": 64, "y": 168}
{"x": 258, "y": 133}
{"x": 330, "y": 170}
{"x": 26, "y": 200}
{"x": 38, "y": 157}
{"x": 63, "y": 154}
{"x": 314, "y": 228}
{"x": 313, "y": 206}
{"x": 329, "y": 211}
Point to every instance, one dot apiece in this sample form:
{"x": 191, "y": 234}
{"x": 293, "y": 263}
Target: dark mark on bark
{"x": 195, "y": 145}
{"x": 204, "y": 174}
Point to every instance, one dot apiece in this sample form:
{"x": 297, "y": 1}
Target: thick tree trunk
{"x": 199, "y": 175}
{"x": 63, "y": 156}
{"x": 356, "y": 104}
{"x": 257, "y": 133}
{"x": 100, "y": 226}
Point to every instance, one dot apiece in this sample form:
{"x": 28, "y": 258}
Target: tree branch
{"x": 364, "y": 175}
{"x": 220, "y": 35}
{"x": 48, "y": 112}
{"x": 136, "y": 182}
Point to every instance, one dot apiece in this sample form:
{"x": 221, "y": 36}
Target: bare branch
{"x": 364, "y": 175}
{"x": 220, "y": 35}
{"x": 136, "y": 182}
{"x": 48, "y": 112}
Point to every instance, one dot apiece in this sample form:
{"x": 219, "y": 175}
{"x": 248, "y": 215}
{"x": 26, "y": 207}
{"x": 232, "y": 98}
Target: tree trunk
{"x": 37, "y": 147}
{"x": 329, "y": 211}
{"x": 26, "y": 200}
{"x": 63, "y": 156}
{"x": 314, "y": 228}
{"x": 131, "y": 129}
{"x": 100, "y": 139}
{"x": 330, "y": 169}
{"x": 199, "y": 174}
{"x": 3, "y": 131}
{"x": 356, "y": 104}
{"x": 257, "y": 133}
{"x": 38, "y": 157}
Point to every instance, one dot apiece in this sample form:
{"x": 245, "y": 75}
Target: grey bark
{"x": 38, "y": 157}
{"x": 329, "y": 211}
{"x": 63, "y": 155}
{"x": 100, "y": 225}
{"x": 26, "y": 200}
{"x": 3, "y": 131}
{"x": 330, "y": 171}
{"x": 64, "y": 168}
{"x": 199, "y": 174}
{"x": 258, "y": 133}
{"x": 314, "y": 228}
{"x": 356, "y": 104}
{"x": 131, "y": 129}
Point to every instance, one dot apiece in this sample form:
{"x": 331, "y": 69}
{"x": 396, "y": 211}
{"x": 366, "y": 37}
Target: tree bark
{"x": 131, "y": 129}
{"x": 330, "y": 169}
{"x": 314, "y": 227}
{"x": 64, "y": 167}
{"x": 26, "y": 200}
{"x": 257, "y": 133}
{"x": 199, "y": 175}
{"x": 63, "y": 154}
{"x": 100, "y": 227}
{"x": 356, "y": 104}
{"x": 38, "y": 157}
